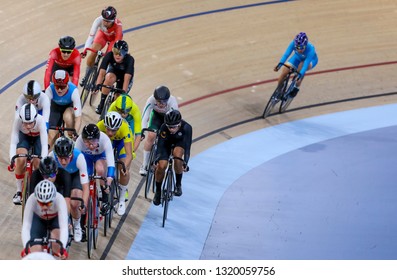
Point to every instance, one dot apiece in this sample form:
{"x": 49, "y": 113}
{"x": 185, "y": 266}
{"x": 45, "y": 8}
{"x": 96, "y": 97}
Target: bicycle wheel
{"x": 25, "y": 191}
{"x": 90, "y": 227}
{"x": 286, "y": 101}
{"x": 93, "y": 82}
{"x": 96, "y": 220}
{"x": 167, "y": 194}
{"x": 108, "y": 101}
{"x": 274, "y": 99}
{"x": 87, "y": 87}
{"x": 150, "y": 172}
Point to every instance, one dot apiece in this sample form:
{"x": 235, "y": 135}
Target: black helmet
{"x": 63, "y": 147}
{"x": 161, "y": 93}
{"x": 122, "y": 46}
{"x": 90, "y": 131}
{"x": 67, "y": 43}
{"x": 48, "y": 166}
{"x": 109, "y": 13}
{"x": 172, "y": 117}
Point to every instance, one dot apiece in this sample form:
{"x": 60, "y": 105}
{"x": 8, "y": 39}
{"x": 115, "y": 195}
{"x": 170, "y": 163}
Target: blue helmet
{"x": 301, "y": 40}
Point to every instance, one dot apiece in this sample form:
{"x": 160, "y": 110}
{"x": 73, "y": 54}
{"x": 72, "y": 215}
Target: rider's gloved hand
{"x": 278, "y": 66}
{"x": 83, "y": 54}
{"x": 24, "y": 253}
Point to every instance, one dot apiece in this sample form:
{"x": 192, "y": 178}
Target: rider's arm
{"x": 288, "y": 52}
{"x": 27, "y": 219}
{"x": 107, "y": 144}
{"x": 172, "y": 103}
{"x": 93, "y": 31}
{"x": 63, "y": 217}
{"x": 309, "y": 57}
{"x": 50, "y": 64}
{"x": 76, "y": 109}
{"x": 187, "y": 140}
{"x": 43, "y": 135}
{"x": 147, "y": 111}
{"x": 45, "y": 104}
{"x": 15, "y": 136}
{"x": 76, "y": 61}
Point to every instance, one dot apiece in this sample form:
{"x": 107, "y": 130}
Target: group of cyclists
{"x": 59, "y": 184}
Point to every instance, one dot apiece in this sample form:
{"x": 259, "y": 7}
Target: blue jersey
{"x": 308, "y": 56}
{"x": 64, "y": 99}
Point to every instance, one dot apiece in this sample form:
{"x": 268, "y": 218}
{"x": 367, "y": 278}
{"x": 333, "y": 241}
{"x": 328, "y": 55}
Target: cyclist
{"x": 130, "y": 111}
{"x": 73, "y": 161}
{"x": 29, "y": 131}
{"x": 48, "y": 169}
{"x": 304, "y": 59}
{"x": 106, "y": 29}
{"x": 98, "y": 152}
{"x": 175, "y": 135}
{"x": 117, "y": 129}
{"x": 153, "y": 117}
{"x": 65, "y": 104}
{"x": 32, "y": 94}
{"x": 65, "y": 57}
{"x": 45, "y": 210}
{"x": 117, "y": 67}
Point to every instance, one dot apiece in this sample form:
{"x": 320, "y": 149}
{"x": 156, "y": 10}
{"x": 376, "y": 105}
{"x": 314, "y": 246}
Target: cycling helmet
{"x": 90, "y": 131}
{"x": 63, "y": 147}
{"x": 60, "y": 78}
{"x": 67, "y": 43}
{"x": 28, "y": 113}
{"x": 124, "y": 103}
{"x": 113, "y": 120}
{"x": 109, "y": 13}
{"x": 172, "y": 117}
{"x": 301, "y": 40}
{"x": 48, "y": 166}
{"x": 161, "y": 93}
{"x": 32, "y": 90}
{"x": 45, "y": 191}
{"x": 121, "y": 46}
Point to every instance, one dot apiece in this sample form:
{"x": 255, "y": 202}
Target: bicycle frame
{"x": 92, "y": 217}
{"x": 28, "y": 173}
{"x": 90, "y": 81}
{"x": 109, "y": 99}
{"x": 282, "y": 92}
{"x": 151, "y": 168}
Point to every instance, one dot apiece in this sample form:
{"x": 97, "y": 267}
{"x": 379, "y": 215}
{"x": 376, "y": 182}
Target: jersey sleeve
{"x": 94, "y": 28}
{"x": 82, "y": 166}
{"x": 287, "y": 52}
{"x": 136, "y": 114}
{"x": 76, "y": 102}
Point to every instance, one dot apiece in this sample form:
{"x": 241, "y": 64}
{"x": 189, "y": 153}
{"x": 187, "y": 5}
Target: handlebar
{"x": 147, "y": 129}
{"x": 98, "y": 52}
{"x": 28, "y": 156}
{"x": 111, "y": 88}
{"x": 44, "y": 242}
{"x": 62, "y": 129}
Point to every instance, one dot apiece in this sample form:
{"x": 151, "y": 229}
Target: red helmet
{"x": 60, "y": 78}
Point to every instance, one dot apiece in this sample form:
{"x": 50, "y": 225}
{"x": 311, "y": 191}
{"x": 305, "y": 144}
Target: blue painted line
{"x": 147, "y": 26}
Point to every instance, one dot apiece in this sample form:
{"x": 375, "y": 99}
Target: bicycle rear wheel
{"x": 167, "y": 194}
{"x": 286, "y": 101}
{"x": 150, "y": 172}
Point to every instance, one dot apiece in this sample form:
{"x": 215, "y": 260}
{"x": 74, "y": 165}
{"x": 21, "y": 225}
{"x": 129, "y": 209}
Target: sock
{"x": 123, "y": 190}
{"x": 178, "y": 178}
{"x": 146, "y": 155}
{"x": 19, "y": 180}
{"x": 76, "y": 222}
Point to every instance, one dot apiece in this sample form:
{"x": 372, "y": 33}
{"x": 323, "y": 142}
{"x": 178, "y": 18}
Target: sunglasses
{"x": 125, "y": 111}
{"x": 32, "y": 97}
{"x": 111, "y": 130}
{"x": 173, "y": 126}
{"x": 48, "y": 204}
{"x": 66, "y": 51}
{"x": 64, "y": 158}
{"x": 60, "y": 87}
{"x": 47, "y": 176}
{"x": 118, "y": 52}
{"x": 91, "y": 141}
{"x": 300, "y": 48}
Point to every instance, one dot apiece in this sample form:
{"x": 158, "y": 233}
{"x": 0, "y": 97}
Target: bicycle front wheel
{"x": 88, "y": 86}
{"x": 25, "y": 191}
{"x": 274, "y": 99}
{"x": 167, "y": 191}
{"x": 90, "y": 227}
{"x": 286, "y": 101}
{"x": 108, "y": 101}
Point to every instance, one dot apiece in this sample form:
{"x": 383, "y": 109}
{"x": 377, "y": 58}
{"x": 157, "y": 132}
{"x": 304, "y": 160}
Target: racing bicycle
{"x": 151, "y": 166}
{"x": 282, "y": 92}
{"x": 113, "y": 94}
{"x": 90, "y": 79}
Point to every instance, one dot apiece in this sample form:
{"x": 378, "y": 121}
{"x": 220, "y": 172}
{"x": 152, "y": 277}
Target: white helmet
{"x": 113, "y": 120}
{"x": 45, "y": 191}
{"x": 32, "y": 90}
{"x": 28, "y": 113}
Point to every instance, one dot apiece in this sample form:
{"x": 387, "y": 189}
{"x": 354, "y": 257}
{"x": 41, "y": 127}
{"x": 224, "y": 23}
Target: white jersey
{"x": 39, "y": 130}
{"x": 58, "y": 208}
{"x": 151, "y": 105}
{"x": 43, "y": 103}
{"x": 104, "y": 145}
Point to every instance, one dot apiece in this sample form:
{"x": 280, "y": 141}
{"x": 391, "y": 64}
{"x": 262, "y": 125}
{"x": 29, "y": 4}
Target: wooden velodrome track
{"x": 216, "y": 57}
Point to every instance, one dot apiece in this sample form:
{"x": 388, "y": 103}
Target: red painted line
{"x": 273, "y": 80}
